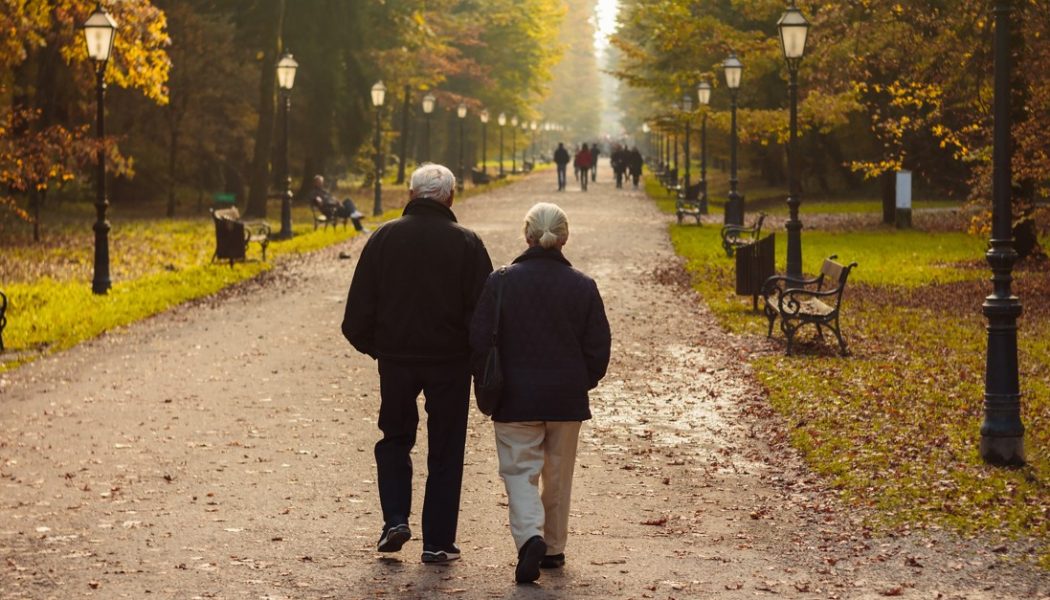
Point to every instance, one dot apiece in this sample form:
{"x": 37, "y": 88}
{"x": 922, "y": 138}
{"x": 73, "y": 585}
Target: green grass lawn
{"x": 155, "y": 264}
{"x": 895, "y": 426}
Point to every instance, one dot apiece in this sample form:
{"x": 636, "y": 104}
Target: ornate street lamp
{"x": 703, "y": 95}
{"x": 734, "y": 214}
{"x": 793, "y": 32}
{"x": 502, "y": 120}
{"x": 428, "y": 107}
{"x": 514, "y": 145}
{"x": 484, "y": 116}
{"x": 285, "y": 80}
{"x": 378, "y": 94}
{"x": 687, "y": 108}
{"x": 99, "y": 32}
{"x": 461, "y": 112}
{"x": 1002, "y": 432}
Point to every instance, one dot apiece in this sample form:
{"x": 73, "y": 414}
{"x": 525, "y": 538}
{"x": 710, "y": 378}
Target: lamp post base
{"x": 286, "y": 217}
{"x": 1003, "y": 451}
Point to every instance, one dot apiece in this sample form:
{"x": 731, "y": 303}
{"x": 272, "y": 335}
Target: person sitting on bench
{"x": 331, "y": 208}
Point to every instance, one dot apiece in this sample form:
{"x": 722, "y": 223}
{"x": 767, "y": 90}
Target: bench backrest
{"x": 758, "y": 224}
{"x": 833, "y": 276}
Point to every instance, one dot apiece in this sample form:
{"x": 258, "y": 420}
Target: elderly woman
{"x": 554, "y": 344}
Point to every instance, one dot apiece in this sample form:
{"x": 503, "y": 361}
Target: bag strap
{"x": 499, "y": 302}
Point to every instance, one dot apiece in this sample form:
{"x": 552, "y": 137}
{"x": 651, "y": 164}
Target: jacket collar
{"x": 537, "y": 252}
{"x": 430, "y": 208}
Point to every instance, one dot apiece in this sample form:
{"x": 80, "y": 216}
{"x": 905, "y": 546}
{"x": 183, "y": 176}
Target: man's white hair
{"x": 432, "y": 181}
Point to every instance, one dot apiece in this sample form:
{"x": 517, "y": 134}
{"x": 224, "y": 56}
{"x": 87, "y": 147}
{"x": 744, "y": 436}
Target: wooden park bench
{"x": 232, "y": 235}
{"x": 479, "y": 177}
{"x": 735, "y": 236}
{"x": 688, "y": 203}
{"x": 3, "y": 318}
{"x": 817, "y": 301}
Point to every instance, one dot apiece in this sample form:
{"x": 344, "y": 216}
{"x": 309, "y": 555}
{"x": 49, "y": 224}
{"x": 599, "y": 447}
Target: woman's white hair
{"x": 432, "y": 181}
{"x": 546, "y": 225}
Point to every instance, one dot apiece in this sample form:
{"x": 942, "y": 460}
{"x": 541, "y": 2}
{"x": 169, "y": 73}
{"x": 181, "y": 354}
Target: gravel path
{"x": 224, "y": 450}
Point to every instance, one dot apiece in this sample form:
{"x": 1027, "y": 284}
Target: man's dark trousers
{"x": 446, "y": 387}
{"x": 561, "y": 177}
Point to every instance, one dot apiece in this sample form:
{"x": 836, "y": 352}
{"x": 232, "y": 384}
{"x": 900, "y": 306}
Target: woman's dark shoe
{"x": 553, "y": 561}
{"x": 529, "y": 557}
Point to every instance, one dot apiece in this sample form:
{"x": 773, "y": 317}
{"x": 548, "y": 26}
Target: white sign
{"x": 904, "y": 190}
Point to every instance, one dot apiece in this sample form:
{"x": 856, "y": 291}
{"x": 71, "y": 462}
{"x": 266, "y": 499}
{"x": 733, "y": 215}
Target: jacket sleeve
{"x": 475, "y": 274}
{"x": 597, "y": 339}
{"x": 359, "y": 320}
{"x": 483, "y": 322}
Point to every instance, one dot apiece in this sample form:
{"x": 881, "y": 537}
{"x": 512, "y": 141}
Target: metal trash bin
{"x": 754, "y": 264}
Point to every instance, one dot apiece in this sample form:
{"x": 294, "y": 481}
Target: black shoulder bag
{"x": 488, "y": 383}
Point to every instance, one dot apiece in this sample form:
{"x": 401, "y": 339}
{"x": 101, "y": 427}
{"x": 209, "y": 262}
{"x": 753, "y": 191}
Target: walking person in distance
{"x": 409, "y": 306}
{"x": 554, "y": 345}
{"x": 583, "y": 163}
{"x": 561, "y": 159}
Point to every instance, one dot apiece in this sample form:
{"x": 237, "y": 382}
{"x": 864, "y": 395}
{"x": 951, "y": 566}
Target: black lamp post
{"x": 1002, "y": 433}
{"x": 703, "y": 95}
{"x": 378, "y": 94}
{"x": 793, "y": 32}
{"x": 687, "y": 109}
{"x": 428, "y": 107}
{"x": 99, "y": 32}
{"x": 285, "y": 80}
{"x": 461, "y": 112}
{"x": 502, "y": 120}
{"x": 532, "y": 127}
{"x": 484, "y": 116}
{"x": 514, "y": 145}
{"x": 734, "y": 214}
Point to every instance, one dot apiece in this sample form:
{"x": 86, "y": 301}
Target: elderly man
{"x": 330, "y": 208}
{"x": 410, "y": 304}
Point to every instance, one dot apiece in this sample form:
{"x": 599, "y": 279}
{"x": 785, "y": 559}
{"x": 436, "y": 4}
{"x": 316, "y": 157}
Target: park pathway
{"x": 224, "y": 450}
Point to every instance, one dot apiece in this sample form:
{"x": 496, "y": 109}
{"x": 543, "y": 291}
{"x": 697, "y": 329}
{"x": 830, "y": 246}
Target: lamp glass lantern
{"x": 99, "y": 32}
{"x": 703, "y": 93}
{"x": 286, "y": 71}
{"x": 794, "y": 29}
{"x": 502, "y": 119}
{"x": 733, "y": 69}
{"x": 646, "y": 128}
{"x": 428, "y": 103}
{"x": 378, "y": 94}
{"x": 514, "y": 121}
{"x": 533, "y": 125}
{"x": 484, "y": 116}
{"x": 461, "y": 110}
{"x": 687, "y": 103}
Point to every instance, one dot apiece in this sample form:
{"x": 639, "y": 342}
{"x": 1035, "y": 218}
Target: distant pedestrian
{"x": 554, "y": 345}
{"x": 409, "y": 306}
{"x": 583, "y": 163}
{"x": 595, "y": 152}
{"x": 618, "y": 159}
{"x": 561, "y": 159}
{"x": 330, "y": 207}
{"x": 635, "y": 164}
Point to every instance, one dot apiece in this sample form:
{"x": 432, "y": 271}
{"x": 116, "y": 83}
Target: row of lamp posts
{"x": 1002, "y": 431}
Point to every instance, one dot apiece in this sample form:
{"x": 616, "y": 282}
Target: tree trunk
{"x": 260, "y": 175}
{"x": 172, "y": 158}
{"x": 403, "y": 155}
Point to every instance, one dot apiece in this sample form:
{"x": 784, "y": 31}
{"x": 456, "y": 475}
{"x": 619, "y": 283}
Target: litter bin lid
{"x": 224, "y": 198}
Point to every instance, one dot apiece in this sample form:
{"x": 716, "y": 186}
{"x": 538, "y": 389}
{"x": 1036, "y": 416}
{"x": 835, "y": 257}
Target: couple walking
{"x": 423, "y": 302}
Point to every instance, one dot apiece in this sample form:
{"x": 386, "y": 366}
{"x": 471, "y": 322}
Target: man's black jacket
{"x": 561, "y": 156}
{"x": 415, "y": 287}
